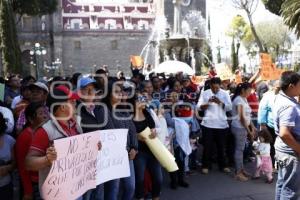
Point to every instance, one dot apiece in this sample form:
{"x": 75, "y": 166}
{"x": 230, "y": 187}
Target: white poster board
{"x": 113, "y": 162}
{"x": 80, "y": 166}
{"x": 74, "y": 171}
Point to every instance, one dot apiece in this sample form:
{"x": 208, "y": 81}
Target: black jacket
{"x": 103, "y": 119}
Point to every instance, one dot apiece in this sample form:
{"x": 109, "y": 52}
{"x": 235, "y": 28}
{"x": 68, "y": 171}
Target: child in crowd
{"x": 262, "y": 150}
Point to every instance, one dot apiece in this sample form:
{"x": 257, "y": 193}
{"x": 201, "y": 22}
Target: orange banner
{"x": 238, "y": 78}
{"x": 197, "y": 79}
{"x": 136, "y": 61}
{"x": 269, "y": 70}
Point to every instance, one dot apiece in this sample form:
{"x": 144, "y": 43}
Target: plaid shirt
{"x": 22, "y": 118}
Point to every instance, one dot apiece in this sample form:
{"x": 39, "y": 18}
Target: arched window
{"x": 76, "y": 24}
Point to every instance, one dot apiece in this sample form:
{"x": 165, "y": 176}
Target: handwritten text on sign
{"x": 74, "y": 171}
{"x": 112, "y": 162}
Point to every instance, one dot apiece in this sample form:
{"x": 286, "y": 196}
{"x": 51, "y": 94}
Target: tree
{"x": 288, "y": 9}
{"x": 248, "y": 39}
{"x": 273, "y": 5}
{"x": 34, "y": 7}
{"x": 238, "y": 31}
{"x": 234, "y": 57}
{"x": 208, "y": 52}
{"x": 237, "y": 28}
{"x": 249, "y": 6}
{"x": 11, "y": 53}
{"x": 274, "y": 35}
{"x": 219, "y": 57}
{"x": 291, "y": 14}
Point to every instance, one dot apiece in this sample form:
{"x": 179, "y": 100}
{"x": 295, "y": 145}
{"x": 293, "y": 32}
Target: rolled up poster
{"x": 161, "y": 153}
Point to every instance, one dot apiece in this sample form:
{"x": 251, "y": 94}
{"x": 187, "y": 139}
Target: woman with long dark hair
{"x": 241, "y": 126}
{"x": 122, "y": 120}
{"x": 145, "y": 159}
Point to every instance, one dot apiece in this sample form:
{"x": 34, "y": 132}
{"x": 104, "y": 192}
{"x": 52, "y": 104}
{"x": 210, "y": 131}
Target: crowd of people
{"x": 215, "y": 121}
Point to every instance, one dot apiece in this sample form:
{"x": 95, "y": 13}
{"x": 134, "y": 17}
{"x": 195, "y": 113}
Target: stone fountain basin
{"x": 181, "y": 42}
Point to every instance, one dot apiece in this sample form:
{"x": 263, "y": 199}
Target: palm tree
{"x": 291, "y": 14}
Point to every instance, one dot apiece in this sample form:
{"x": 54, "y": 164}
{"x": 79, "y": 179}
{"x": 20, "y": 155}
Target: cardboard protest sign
{"x": 238, "y": 78}
{"x": 269, "y": 70}
{"x": 136, "y": 61}
{"x": 197, "y": 79}
{"x": 74, "y": 171}
{"x": 223, "y": 71}
{"x": 113, "y": 160}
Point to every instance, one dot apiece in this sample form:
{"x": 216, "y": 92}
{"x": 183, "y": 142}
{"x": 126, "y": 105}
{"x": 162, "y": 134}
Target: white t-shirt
{"x": 15, "y": 101}
{"x": 264, "y": 149}
{"x": 236, "y": 122}
{"x": 215, "y": 115}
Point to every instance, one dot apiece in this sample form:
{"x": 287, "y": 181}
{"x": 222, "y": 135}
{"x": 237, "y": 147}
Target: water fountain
{"x": 184, "y": 43}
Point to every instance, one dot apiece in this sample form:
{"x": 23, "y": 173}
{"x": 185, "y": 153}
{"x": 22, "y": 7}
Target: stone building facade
{"x": 83, "y": 36}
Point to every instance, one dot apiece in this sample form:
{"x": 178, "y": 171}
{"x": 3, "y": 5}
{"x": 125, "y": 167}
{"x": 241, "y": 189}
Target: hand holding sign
{"x": 73, "y": 170}
{"x": 51, "y": 155}
{"x": 162, "y": 154}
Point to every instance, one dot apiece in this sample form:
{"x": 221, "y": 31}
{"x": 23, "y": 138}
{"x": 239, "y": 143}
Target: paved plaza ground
{"x": 220, "y": 186}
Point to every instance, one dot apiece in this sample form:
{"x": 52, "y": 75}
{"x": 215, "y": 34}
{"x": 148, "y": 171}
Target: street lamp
{"x": 36, "y": 52}
{"x": 54, "y": 66}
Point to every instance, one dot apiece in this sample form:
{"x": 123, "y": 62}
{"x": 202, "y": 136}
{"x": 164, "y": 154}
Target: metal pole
{"x": 36, "y": 66}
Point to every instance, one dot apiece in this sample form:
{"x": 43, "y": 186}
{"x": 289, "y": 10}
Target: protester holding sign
{"x": 35, "y": 117}
{"x": 121, "y": 120}
{"x": 145, "y": 159}
{"x": 92, "y": 118}
{"x": 62, "y": 124}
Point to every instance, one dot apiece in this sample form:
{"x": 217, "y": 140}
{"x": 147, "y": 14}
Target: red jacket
{"x": 23, "y": 144}
{"x": 253, "y": 102}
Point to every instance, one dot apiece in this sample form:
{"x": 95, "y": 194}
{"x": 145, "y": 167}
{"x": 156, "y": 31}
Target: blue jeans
{"x": 143, "y": 161}
{"x": 288, "y": 182}
{"x": 128, "y": 184}
{"x": 240, "y": 138}
{"x": 105, "y": 191}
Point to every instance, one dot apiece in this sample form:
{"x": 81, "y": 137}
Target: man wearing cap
{"x": 61, "y": 124}
{"x": 91, "y": 115}
{"x": 39, "y": 93}
{"x": 91, "y": 118}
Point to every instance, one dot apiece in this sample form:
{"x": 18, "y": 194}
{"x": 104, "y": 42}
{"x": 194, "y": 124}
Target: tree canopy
{"x": 288, "y": 9}
{"x": 249, "y": 6}
{"x": 238, "y": 28}
{"x": 34, "y": 7}
{"x": 273, "y": 6}
{"x": 11, "y": 53}
{"x": 291, "y": 14}
{"x": 274, "y": 35}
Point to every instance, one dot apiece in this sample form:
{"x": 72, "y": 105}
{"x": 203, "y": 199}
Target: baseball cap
{"x": 84, "y": 81}
{"x": 61, "y": 94}
{"x": 39, "y": 85}
{"x": 186, "y": 77}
